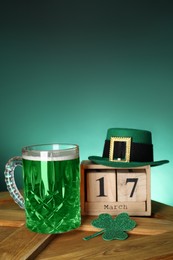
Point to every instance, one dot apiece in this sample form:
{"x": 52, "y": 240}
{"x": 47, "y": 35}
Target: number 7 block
{"x": 131, "y": 185}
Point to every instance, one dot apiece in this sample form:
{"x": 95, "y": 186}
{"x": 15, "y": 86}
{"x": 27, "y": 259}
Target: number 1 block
{"x": 101, "y": 186}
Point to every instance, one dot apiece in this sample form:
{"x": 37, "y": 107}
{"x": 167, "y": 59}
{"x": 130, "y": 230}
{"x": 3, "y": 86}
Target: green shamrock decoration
{"x": 113, "y": 228}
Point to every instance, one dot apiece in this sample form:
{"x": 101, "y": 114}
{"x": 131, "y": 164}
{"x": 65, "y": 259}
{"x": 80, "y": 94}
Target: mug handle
{"x": 10, "y": 180}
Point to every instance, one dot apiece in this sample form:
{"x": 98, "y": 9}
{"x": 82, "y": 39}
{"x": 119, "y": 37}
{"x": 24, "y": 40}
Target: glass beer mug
{"x": 51, "y": 187}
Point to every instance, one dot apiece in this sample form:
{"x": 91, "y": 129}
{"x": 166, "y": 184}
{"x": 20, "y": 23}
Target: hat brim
{"x": 106, "y": 162}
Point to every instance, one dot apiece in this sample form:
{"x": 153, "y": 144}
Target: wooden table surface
{"x": 151, "y": 239}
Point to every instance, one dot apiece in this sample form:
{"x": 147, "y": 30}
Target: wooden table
{"x": 151, "y": 239}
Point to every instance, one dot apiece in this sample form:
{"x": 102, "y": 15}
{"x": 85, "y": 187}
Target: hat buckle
{"x": 127, "y": 141}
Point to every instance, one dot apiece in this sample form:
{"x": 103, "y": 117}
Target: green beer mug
{"x": 51, "y": 187}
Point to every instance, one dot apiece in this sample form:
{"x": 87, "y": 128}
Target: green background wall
{"x": 69, "y": 70}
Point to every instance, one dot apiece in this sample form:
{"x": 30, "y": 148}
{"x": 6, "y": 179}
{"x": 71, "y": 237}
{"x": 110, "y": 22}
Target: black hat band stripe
{"x": 138, "y": 153}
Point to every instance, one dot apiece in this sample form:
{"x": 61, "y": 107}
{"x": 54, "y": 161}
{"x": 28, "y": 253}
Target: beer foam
{"x": 52, "y": 158}
{"x": 51, "y": 152}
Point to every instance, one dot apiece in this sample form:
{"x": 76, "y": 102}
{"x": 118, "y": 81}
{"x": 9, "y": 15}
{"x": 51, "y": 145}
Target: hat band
{"x": 139, "y": 152}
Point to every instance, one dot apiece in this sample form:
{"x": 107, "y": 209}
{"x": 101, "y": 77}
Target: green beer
{"x": 52, "y": 195}
{"x": 51, "y": 187}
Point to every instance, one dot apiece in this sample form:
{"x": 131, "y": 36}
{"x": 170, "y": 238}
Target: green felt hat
{"x": 126, "y": 147}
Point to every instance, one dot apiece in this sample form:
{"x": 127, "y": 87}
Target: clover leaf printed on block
{"x": 112, "y": 228}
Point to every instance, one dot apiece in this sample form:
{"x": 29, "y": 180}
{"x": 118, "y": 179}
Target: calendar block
{"x": 131, "y": 185}
{"x": 115, "y": 190}
{"x": 101, "y": 185}
{"x": 96, "y": 208}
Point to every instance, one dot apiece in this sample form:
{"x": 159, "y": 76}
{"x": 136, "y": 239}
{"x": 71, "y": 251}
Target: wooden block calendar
{"x": 115, "y": 190}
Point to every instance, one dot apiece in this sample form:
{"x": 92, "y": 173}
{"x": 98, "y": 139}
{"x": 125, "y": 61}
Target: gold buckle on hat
{"x": 127, "y": 140}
